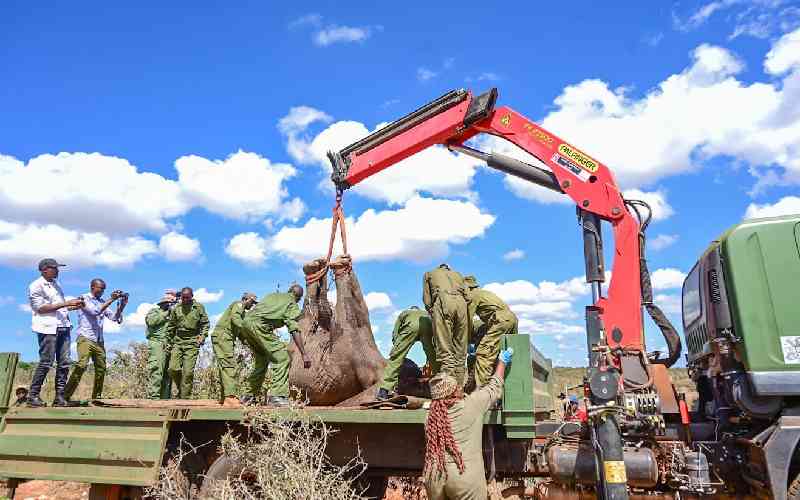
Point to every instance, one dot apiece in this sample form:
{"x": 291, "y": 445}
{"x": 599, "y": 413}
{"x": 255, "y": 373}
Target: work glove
{"x": 506, "y": 355}
{"x": 471, "y": 350}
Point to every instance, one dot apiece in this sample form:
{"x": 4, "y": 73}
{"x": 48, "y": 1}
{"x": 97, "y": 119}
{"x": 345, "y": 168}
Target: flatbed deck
{"x": 124, "y": 441}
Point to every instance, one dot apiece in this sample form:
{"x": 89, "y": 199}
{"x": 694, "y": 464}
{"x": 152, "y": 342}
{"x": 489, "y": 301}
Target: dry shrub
{"x": 126, "y": 373}
{"x": 278, "y": 456}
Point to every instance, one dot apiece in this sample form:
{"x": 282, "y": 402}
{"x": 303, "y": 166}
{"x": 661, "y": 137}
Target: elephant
{"x": 347, "y": 366}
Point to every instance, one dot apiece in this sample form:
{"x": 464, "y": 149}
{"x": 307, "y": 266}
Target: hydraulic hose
{"x": 671, "y": 336}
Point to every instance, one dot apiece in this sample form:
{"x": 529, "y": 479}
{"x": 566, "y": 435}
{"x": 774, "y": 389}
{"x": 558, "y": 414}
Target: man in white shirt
{"x": 50, "y": 322}
{"x": 91, "y": 318}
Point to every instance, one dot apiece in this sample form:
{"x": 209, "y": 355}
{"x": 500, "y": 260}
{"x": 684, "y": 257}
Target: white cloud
{"x": 294, "y": 125}
{"x": 690, "y": 117}
{"x": 312, "y": 19}
{"x": 378, "y": 301}
{"x": 656, "y": 199}
{"x": 22, "y": 245}
{"x": 756, "y": 18}
{"x": 784, "y": 55}
{"x": 435, "y": 170}
{"x": 535, "y": 327}
{"x": 343, "y": 34}
{"x": 178, "y": 247}
{"x": 552, "y": 310}
{"x": 244, "y": 186}
{"x": 515, "y": 254}
{"x": 26, "y": 308}
{"x": 421, "y": 231}
{"x": 6, "y": 300}
{"x": 204, "y": 296}
{"x": 525, "y": 292}
{"x": 88, "y": 185}
{"x": 137, "y": 317}
{"x": 664, "y": 279}
{"x": 788, "y": 205}
{"x": 669, "y": 303}
{"x": 249, "y": 248}
{"x": 93, "y": 183}
{"x": 662, "y": 241}
{"x": 111, "y": 326}
{"x": 425, "y": 74}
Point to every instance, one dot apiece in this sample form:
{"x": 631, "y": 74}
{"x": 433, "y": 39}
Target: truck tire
{"x": 222, "y": 468}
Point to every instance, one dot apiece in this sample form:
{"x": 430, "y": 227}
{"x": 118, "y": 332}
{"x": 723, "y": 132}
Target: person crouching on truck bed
{"x": 412, "y": 325}
{"x": 226, "y": 331}
{"x": 50, "y": 322}
{"x": 272, "y": 312}
{"x": 453, "y": 436}
{"x": 497, "y": 319}
{"x": 158, "y": 347}
{"x": 444, "y": 296}
{"x": 91, "y": 345}
{"x": 188, "y": 329}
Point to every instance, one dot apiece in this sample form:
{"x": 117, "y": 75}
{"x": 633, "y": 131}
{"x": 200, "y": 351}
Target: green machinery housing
{"x": 740, "y": 309}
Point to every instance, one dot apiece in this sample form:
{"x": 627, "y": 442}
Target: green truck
{"x": 119, "y": 448}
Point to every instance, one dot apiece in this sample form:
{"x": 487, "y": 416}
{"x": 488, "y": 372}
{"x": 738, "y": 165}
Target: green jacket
{"x": 232, "y": 319}
{"x": 157, "y": 322}
{"x": 278, "y": 308}
{"x": 486, "y": 305}
{"x": 441, "y": 280}
{"x": 189, "y": 321}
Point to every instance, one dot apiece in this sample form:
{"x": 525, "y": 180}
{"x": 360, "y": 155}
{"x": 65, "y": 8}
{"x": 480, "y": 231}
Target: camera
{"x": 120, "y": 294}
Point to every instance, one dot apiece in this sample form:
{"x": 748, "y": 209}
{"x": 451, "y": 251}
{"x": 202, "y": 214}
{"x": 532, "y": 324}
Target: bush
{"x": 279, "y": 456}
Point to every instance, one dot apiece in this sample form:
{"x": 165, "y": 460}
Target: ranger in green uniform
{"x": 158, "y": 347}
{"x": 272, "y": 312}
{"x": 412, "y": 325}
{"x": 227, "y": 329}
{"x": 188, "y": 327}
{"x": 443, "y": 293}
{"x": 453, "y": 436}
{"x": 498, "y": 320}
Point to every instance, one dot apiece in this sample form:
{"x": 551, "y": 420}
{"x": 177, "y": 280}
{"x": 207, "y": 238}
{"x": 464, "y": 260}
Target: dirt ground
{"x": 55, "y": 490}
{"x": 49, "y": 490}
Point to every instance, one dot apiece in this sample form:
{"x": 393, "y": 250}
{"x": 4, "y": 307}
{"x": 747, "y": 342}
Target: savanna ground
{"x": 126, "y": 377}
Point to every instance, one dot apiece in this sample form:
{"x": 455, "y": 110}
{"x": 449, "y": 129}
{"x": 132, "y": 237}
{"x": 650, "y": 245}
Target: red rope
{"x": 338, "y": 220}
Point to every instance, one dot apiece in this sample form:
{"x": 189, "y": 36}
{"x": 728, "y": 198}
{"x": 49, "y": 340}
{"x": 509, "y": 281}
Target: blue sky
{"x": 163, "y": 146}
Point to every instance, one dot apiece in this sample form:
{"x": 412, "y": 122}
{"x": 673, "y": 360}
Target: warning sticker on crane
{"x": 581, "y": 159}
{"x": 615, "y": 471}
{"x": 571, "y": 167}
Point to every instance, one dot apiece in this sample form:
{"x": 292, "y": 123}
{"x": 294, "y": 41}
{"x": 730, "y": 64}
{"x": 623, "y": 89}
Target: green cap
{"x": 471, "y": 281}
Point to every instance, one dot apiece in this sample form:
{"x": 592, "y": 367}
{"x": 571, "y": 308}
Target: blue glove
{"x": 506, "y": 355}
{"x": 471, "y": 350}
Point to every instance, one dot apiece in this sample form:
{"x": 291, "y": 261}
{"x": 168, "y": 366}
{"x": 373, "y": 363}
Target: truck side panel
{"x": 121, "y": 447}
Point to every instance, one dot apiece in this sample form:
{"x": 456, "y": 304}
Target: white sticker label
{"x": 791, "y": 350}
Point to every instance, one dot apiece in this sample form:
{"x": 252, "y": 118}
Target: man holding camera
{"x": 90, "y": 335}
{"x": 50, "y": 322}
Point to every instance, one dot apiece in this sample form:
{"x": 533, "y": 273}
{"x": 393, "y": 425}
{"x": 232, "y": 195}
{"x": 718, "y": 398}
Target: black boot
{"x": 61, "y": 385}
{"x": 36, "y": 402}
{"x": 36, "y": 386}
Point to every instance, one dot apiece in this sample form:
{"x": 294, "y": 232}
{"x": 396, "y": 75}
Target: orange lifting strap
{"x": 338, "y": 219}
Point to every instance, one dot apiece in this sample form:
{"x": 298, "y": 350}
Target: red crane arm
{"x": 458, "y": 116}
